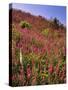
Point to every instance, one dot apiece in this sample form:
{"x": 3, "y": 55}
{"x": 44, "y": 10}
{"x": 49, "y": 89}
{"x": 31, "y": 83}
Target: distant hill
{"x": 38, "y": 22}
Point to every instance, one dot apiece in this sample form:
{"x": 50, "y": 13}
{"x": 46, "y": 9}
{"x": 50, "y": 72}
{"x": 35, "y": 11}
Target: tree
{"x": 56, "y": 23}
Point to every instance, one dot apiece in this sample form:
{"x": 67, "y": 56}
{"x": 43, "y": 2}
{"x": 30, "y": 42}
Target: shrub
{"x": 25, "y": 24}
{"x": 45, "y": 32}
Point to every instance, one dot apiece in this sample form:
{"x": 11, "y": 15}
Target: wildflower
{"x": 35, "y": 49}
{"x": 33, "y": 62}
{"x": 18, "y": 45}
{"x": 50, "y": 69}
{"x": 28, "y": 72}
{"x": 20, "y": 77}
{"x": 57, "y": 69}
{"x": 14, "y": 77}
{"x": 43, "y": 50}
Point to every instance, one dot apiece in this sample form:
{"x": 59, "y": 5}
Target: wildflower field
{"x": 38, "y": 50}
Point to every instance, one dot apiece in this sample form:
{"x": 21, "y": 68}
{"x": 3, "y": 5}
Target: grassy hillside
{"x": 38, "y": 49}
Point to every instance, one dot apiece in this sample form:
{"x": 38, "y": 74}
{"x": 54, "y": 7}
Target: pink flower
{"x": 28, "y": 72}
{"x": 57, "y": 69}
{"x": 35, "y": 49}
{"x": 32, "y": 62}
{"x": 25, "y": 30}
{"x": 43, "y": 50}
{"x": 50, "y": 69}
{"x": 14, "y": 77}
{"x": 18, "y": 45}
{"x": 20, "y": 77}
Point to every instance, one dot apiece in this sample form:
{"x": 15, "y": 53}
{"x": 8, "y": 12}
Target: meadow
{"x": 38, "y": 50}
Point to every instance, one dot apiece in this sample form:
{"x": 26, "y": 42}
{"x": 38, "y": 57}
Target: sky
{"x": 47, "y": 11}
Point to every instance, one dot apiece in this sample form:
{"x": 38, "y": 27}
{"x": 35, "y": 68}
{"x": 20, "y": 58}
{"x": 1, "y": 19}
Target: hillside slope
{"x": 43, "y": 50}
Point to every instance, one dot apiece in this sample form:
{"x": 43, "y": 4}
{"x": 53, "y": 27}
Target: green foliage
{"x": 17, "y": 53}
{"x": 39, "y": 78}
{"x": 15, "y": 69}
{"x": 26, "y": 60}
{"x": 37, "y": 43}
{"x": 25, "y": 24}
{"x": 34, "y": 56}
{"x": 55, "y": 62}
{"x": 45, "y": 74}
{"x": 45, "y": 32}
{"x": 15, "y": 34}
